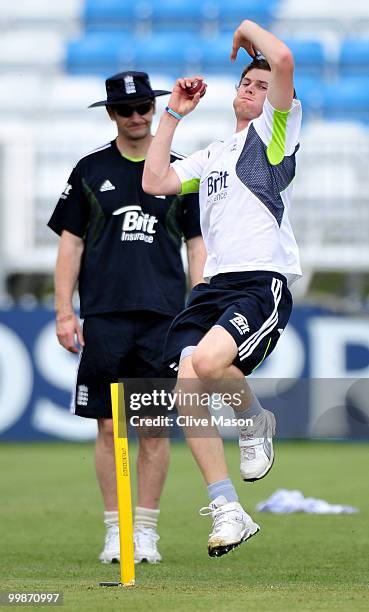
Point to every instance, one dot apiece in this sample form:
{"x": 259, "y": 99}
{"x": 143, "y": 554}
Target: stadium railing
{"x": 330, "y": 212}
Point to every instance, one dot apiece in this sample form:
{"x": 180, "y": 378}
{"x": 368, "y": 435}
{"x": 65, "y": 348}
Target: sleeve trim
{"x": 277, "y": 146}
{"x": 190, "y": 186}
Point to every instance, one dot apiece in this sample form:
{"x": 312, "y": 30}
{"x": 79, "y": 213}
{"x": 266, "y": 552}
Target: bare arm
{"x": 158, "y": 177}
{"x": 196, "y": 255}
{"x": 66, "y": 275}
{"x": 250, "y": 36}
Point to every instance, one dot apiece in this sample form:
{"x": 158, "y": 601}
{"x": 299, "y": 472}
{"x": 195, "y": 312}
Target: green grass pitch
{"x": 51, "y": 533}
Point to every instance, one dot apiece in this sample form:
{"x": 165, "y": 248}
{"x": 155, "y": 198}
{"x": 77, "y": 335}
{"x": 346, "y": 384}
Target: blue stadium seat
{"x": 348, "y": 99}
{"x": 232, "y": 12}
{"x": 100, "y": 54}
{"x": 105, "y": 15}
{"x": 185, "y": 15}
{"x": 158, "y": 15}
{"x": 310, "y": 91}
{"x": 176, "y": 54}
{"x": 309, "y": 57}
{"x": 215, "y": 56}
{"x": 354, "y": 57}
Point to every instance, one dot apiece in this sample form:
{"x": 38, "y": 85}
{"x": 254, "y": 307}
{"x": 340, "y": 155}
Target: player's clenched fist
{"x": 186, "y": 94}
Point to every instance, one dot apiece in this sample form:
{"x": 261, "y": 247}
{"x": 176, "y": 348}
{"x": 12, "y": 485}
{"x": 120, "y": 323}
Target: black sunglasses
{"x": 125, "y": 110}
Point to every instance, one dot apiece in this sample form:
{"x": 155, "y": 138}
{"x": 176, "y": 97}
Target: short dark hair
{"x": 261, "y": 64}
{"x": 257, "y": 62}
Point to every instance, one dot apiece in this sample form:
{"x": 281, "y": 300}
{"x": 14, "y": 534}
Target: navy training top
{"x": 131, "y": 260}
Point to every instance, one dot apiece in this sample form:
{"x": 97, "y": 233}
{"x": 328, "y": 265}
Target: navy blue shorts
{"x": 254, "y": 307}
{"x": 124, "y": 345}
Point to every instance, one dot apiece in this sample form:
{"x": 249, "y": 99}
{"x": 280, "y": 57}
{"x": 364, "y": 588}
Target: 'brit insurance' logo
{"x": 217, "y": 181}
{"x": 137, "y": 225}
{"x": 240, "y": 323}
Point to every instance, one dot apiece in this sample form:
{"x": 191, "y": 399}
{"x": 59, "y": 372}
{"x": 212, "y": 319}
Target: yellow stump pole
{"x": 127, "y": 567}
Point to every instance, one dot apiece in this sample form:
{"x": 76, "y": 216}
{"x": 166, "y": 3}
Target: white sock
{"x": 111, "y": 518}
{"x": 146, "y": 517}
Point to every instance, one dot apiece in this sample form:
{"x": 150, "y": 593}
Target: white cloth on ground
{"x": 286, "y": 501}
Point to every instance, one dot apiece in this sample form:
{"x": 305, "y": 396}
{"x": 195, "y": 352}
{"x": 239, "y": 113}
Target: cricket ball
{"x": 197, "y": 86}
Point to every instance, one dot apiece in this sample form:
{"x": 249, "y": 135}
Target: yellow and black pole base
{"x": 127, "y": 566}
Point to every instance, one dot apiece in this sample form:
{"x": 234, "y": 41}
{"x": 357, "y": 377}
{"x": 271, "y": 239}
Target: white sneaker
{"x": 257, "y": 454}
{"x": 145, "y": 543}
{"x": 231, "y": 526}
{"x": 111, "y": 552}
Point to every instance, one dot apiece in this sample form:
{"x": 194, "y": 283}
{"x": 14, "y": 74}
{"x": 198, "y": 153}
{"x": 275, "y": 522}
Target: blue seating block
{"x": 309, "y": 91}
{"x": 232, "y": 12}
{"x": 354, "y": 57}
{"x": 176, "y": 54}
{"x": 100, "y": 15}
{"x": 309, "y": 56}
{"x": 190, "y": 15}
{"x": 215, "y": 56}
{"x": 347, "y": 99}
{"x": 158, "y": 14}
{"x": 100, "y": 53}
{"x": 177, "y": 10}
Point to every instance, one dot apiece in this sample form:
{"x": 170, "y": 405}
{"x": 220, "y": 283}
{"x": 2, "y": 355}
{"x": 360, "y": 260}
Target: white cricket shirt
{"x": 245, "y": 194}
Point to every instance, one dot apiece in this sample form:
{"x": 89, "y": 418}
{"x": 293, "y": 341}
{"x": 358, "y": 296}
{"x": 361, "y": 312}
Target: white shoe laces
{"x": 247, "y": 452}
{"x": 219, "y": 516}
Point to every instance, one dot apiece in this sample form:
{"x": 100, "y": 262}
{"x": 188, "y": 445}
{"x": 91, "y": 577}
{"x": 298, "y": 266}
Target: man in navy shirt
{"x": 123, "y": 247}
